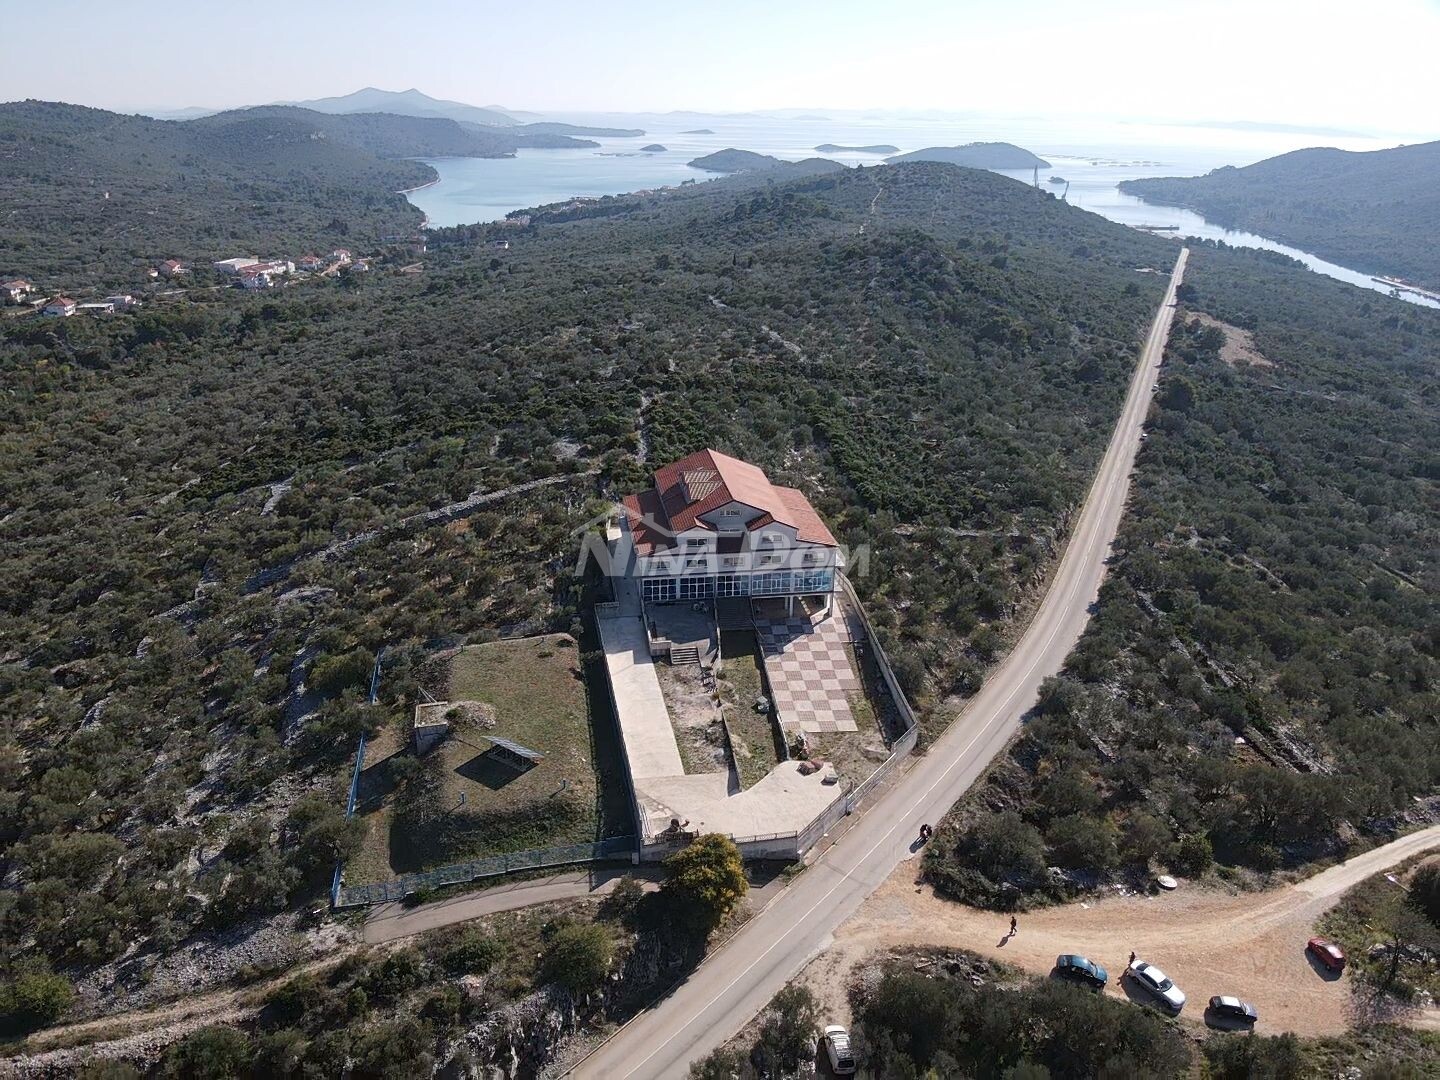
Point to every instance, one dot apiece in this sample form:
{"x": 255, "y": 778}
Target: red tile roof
{"x": 707, "y": 480}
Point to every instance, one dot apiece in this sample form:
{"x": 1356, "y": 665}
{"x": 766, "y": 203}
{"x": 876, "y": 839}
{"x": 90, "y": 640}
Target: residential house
{"x": 122, "y": 301}
{"x": 341, "y": 256}
{"x": 311, "y": 263}
{"x": 96, "y": 307}
{"x": 173, "y": 268}
{"x": 59, "y": 307}
{"x": 16, "y": 290}
{"x": 234, "y": 266}
{"x": 252, "y": 278}
{"x": 714, "y": 525}
{"x": 500, "y": 245}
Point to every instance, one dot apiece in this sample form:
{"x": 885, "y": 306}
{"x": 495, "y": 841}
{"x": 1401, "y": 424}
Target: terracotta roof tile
{"x": 706, "y": 480}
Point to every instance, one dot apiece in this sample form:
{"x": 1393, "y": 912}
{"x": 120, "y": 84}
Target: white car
{"x": 1157, "y": 983}
{"x": 837, "y": 1049}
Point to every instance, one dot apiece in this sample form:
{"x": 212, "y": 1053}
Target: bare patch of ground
{"x": 695, "y": 716}
{"x": 1239, "y": 347}
{"x": 1208, "y": 940}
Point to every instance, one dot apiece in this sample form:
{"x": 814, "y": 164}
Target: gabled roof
{"x": 706, "y": 480}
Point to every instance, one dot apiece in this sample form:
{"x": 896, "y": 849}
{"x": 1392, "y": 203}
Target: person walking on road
{"x": 1014, "y": 929}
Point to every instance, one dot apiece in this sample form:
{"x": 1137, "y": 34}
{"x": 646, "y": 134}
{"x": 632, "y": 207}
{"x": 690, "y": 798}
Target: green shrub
{"x": 1192, "y": 854}
{"x": 34, "y": 1001}
{"x": 578, "y": 956}
{"x": 331, "y": 674}
{"x": 211, "y": 1053}
{"x": 471, "y": 951}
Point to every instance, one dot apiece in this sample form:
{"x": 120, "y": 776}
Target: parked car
{"x": 1232, "y": 1008}
{"x": 1327, "y": 952}
{"x": 837, "y": 1049}
{"x": 1081, "y": 969}
{"x": 1156, "y": 983}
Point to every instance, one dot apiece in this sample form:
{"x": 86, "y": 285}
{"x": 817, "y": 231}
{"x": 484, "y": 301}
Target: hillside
{"x": 386, "y": 135}
{"x": 406, "y": 103}
{"x": 731, "y": 160}
{"x": 943, "y": 379}
{"x": 1377, "y": 211}
{"x": 994, "y": 155}
{"x": 877, "y": 148}
{"x": 93, "y": 198}
{"x": 1258, "y": 684}
{"x": 214, "y": 503}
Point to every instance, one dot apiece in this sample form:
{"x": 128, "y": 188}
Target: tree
{"x": 1083, "y": 842}
{"x": 1425, "y": 889}
{"x": 34, "y": 1001}
{"x": 1192, "y": 854}
{"x": 1005, "y": 848}
{"x": 1408, "y": 928}
{"x": 1145, "y": 836}
{"x": 1255, "y": 1057}
{"x": 578, "y": 956}
{"x": 788, "y": 1029}
{"x": 706, "y": 880}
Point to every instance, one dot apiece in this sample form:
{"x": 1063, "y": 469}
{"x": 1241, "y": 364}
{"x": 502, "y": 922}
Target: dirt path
{"x": 1209, "y": 941}
{"x": 130, "y": 1032}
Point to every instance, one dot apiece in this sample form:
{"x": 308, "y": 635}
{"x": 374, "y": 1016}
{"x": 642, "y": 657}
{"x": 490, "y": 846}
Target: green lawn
{"x": 461, "y": 801}
{"x": 752, "y": 734}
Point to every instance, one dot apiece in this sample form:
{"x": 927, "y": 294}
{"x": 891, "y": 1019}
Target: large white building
{"x": 715, "y": 526}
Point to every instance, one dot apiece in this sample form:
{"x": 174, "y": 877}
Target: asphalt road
{"x": 723, "y": 994}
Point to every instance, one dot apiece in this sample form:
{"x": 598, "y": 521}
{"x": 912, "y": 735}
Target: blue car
{"x": 1082, "y": 970}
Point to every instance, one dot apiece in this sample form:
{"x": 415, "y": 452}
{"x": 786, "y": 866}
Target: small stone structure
{"x": 430, "y": 726}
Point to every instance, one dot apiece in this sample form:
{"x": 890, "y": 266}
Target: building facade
{"x": 715, "y": 526}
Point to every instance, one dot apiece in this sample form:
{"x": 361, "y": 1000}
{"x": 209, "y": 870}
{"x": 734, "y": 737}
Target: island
{"x": 731, "y": 160}
{"x": 1373, "y": 210}
{"x": 836, "y": 148}
{"x": 980, "y": 155}
{"x": 698, "y": 131}
{"x": 653, "y": 148}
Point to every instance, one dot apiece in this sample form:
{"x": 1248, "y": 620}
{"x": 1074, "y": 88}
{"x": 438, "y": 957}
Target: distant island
{"x": 549, "y": 128}
{"x": 653, "y": 148}
{"x": 731, "y": 160}
{"x": 836, "y": 148}
{"x": 993, "y": 155}
{"x": 1376, "y": 211}
{"x": 698, "y": 131}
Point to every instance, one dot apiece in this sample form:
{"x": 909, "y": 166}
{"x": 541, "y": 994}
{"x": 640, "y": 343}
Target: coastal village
{"x": 21, "y": 296}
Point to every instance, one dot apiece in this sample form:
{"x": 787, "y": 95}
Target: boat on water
{"x": 1159, "y": 228}
{"x": 1057, "y": 180}
{"x": 1401, "y": 285}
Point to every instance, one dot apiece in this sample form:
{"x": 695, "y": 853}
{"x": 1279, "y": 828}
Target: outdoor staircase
{"x": 684, "y": 654}
{"x": 733, "y": 614}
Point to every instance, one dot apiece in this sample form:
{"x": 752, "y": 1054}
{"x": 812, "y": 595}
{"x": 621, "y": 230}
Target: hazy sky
{"x": 1370, "y": 65}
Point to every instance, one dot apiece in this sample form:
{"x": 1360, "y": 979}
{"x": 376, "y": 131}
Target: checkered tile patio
{"x": 809, "y": 672}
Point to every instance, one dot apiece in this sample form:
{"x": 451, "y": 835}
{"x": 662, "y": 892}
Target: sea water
{"x": 1094, "y": 156}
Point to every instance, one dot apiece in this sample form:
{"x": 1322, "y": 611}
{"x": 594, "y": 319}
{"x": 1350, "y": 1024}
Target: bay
{"x": 1093, "y": 155}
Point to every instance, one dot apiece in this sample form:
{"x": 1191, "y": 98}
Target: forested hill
{"x": 942, "y": 383}
{"x": 1377, "y": 211}
{"x": 93, "y": 197}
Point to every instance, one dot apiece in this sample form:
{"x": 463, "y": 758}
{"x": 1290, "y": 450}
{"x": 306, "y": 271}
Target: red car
{"x": 1327, "y": 952}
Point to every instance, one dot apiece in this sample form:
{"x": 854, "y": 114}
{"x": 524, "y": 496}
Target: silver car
{"x": 837, "y": 1049}
{"x": 1158, "y": 984}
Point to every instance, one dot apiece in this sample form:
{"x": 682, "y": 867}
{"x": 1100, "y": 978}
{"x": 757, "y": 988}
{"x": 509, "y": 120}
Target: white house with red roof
{"x": 61, "y": 307}
{"x": 17, "y": 289}
{"x": 715, "y": 526}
